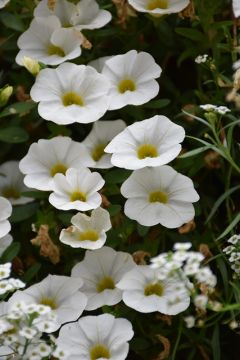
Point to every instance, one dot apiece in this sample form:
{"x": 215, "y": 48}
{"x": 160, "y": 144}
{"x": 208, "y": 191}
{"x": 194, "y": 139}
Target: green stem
{"x": 173, "y": 357}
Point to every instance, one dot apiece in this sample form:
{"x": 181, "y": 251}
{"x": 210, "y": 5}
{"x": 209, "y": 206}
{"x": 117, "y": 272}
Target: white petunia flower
{"x": 159, "y": 7}
{"x": 132, "y": 77}
{"x": 236, "y": 8}
{"x": 86, "y": 14}
{"x": 5, "y": 213}
{"x": 143, "y": 292}
{"x": 46, "y": 158}
{"x": 97, "y": 337}
{"x": 100, "y": 271}
{"x": 60, "y": 293}
{"x": 151, "y": 142}
{"x": 159, "y": 195}
{"x": 99, "y": 63}
{"x": 11, "y": 183}
{"x": 3, "y": 3}
{"x": 5, "y": 242}
{"x": 47, "y": 42}
{"x": 101, "y": 134}
{"x": 87, "y": 232}
{"x": 77, "y": 189}
{"x": 71, "y": 93}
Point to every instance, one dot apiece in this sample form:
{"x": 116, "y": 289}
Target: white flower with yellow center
{"x": 77, "y": 190}
{"x": 5, "y": 213}
{"x": 159, "y": 7}
{"x": 47, "y": 42}
{"x": 87, "y": 232}
{"x": 97, "y": 338}
{"x": 60, "y": 293}
{"x": 159, "y": 195}
{"x": 71, "y": 93}
{"x": 11, "y": 183}
{"x": 46, "y": 158}
{"x": 100, "y": 271}
{"x": 143, "y": 292}
{"x": 86, "y": 14}
{"x": 96, "y": 141}
{"x": 132, "y": 77}
{"x": 152, "y": 142}
{"x": 3, "y": 3}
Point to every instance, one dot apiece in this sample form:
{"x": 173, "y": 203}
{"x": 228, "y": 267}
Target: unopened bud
{"x": 31, "y": 65}
{"x": 5, "y": 94}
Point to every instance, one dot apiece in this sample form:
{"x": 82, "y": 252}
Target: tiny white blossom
{"x": 200, "y": 301}
{"x": 28, "y": 332}
{"x": 201, "y": 59}
{"x": 190, "y": 321}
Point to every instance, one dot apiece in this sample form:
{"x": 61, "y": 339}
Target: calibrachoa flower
{"x": 159, "y": 7}
{"x": 3, "y": 3}
{"x": 11, "y": 183}
{"x": 47, "y": 42}
{"x": 77, "y": 189}
{"x": 99, "y": 63}
{"x": 151, "y": 142}
{"x": 86, "y": 14}
{"x": 97, "y": 337}
{"x": 71, "y": 93}
{"x": 100, "y": 271}
{"x": 5, "y": 242}
{"x": 101, "y": 134}
{"x": 159, "y": 195}
{"x": 87, "y": 232}
{"x": 46, "y": 158}
{"x": 132, "y": 77}
{"x": 60, "y": 293}
{"x": 5, "y": 213}
{"x": 144, "y": 292}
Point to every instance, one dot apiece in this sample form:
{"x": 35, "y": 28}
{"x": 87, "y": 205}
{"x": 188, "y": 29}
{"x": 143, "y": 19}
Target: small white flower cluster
{"x": 201, "y": 59}
{"x": 21, "y": 330}
{"x": 8, "y": 284}
{"x": 233, "y": 253}
{"x": 222, "y": 110}
{"x": 187, "y": 265}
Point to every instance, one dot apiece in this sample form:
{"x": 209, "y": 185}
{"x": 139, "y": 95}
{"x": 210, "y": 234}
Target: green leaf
{"x": 12, "y": 21}
{"x": 223, "y": 270}
{"x": 11, "y": 252}
{"x": 23, "y": 212}
{"x": 216, "y": 343}
{"x": 220, "y": 201}
{"x": 230, "y": 227}
{"x": 194, "y": 152}
{"x": 191, "y": 34}
{"x": 31, "y": 272}
{"x": 36, "y": 194}
{"x": 18, "y": 108}
{"x": 142, "y": 230}
{"x": 13, "y": 135}
{"x": 157, "y": 104}
{"x": 114, "y": 209}
{"x": 117, "y": 176}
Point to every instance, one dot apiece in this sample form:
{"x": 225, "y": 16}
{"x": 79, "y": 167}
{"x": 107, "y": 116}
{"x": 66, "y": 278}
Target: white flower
{"x": 5, "y": 242}
{"x": 222, "y": 110}
{"x": 87, "y": 232}
{"x": 86, "y": 14}
{"x": 159, "y": 195}
{"x": 71, "y": 93}
{"x": 190, "y": 321}
{"x": 151, "y": 142}
{"x": 100, "y": 271}
{"x": 46, "y": 158}
{"x": 3, "y": 3}
{"x": 101, "y": 134}
{"x": 97, "y": 337}
{"x": 132, "y": 77}
{"x": 234, "y": 239}
{"x": 201, "y": 59}
{"x": 99, "y": 63}
{"x": 236, "y": 8}
{"x": 159, "y": 7}
{"x": 143, "y": 292}
{"x": 60, "y": 293}
{"x": 77, "y": 189}
{"x": 47, "y": 42}
{"x": 200, "y": 301}
{"x": 182, "y": 246}
{"x": 5, "y": 212}
{"x": 11, "y": 183}
{"x": 5, "y": 270}
{"x": 28, "y": 332}
{"x": 205, "y": 275}
{"x": 208, "y": 107}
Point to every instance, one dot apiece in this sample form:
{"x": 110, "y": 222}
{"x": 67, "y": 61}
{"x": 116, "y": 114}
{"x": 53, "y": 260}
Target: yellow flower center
{"x": 78, "y": 195}
{"x": 58, "y": 168}
{"x": 153, "y": 289}
{"x": 10, "y": 192}
{"x": 48, "y": 302}
{"x": 71, "y": 98}
{"x": 105, "y": 283}
{"x": 99, "y": 351}
{"x": 158, "y": 196}
{"x": 157, "y": 4}
{"x": 147, "y": 150}
{"x": 126, "y": 85}
{"x": 55, "y": 50}
{"x": 98, "y": 152}
{"x": 91, "y": 235}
